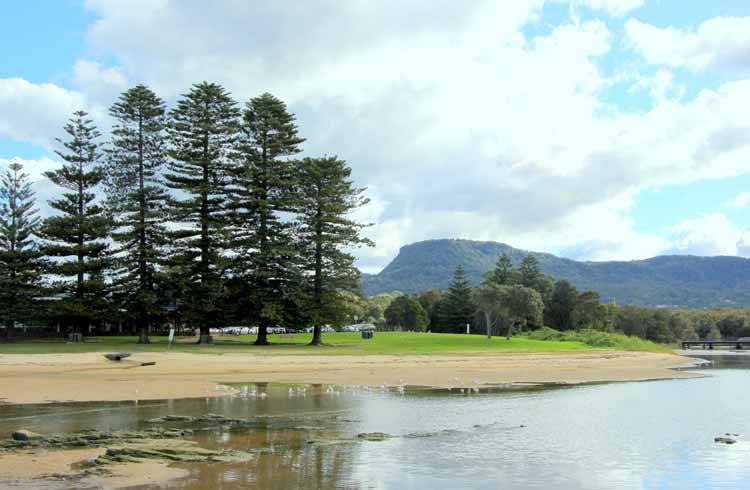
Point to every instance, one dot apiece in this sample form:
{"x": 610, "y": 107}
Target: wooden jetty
{"x": 738, "y": 344}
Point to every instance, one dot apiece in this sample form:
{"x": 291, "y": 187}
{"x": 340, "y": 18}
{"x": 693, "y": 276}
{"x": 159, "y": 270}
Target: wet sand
{"x": 52, "y": 469}
{"x": 46, "y": 378}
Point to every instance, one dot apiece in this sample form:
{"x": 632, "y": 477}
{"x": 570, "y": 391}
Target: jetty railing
{"x": 738, "y": 344}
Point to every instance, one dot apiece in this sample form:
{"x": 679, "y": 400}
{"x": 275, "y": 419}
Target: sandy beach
{"x": 47, "y": 378}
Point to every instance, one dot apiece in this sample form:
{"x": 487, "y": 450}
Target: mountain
{"x": 670, "y": 280}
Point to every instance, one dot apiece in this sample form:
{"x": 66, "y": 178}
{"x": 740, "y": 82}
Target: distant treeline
{"x": 523, "y": 297}
{"x": 200, "y": 215}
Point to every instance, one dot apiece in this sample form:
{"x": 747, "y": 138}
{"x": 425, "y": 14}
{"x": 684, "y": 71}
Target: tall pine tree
{"x": 77, "y": 234}
{"x": 531, "y": 276}
{"x": 21, "y": 264}
{"x": 203, "y": 130}
{"x": 503, "y": 274}
{"x": 266, "y": 187}
{"x": 459, "y": 303}
{"x": 326, "y": 231}
{"x": 137, "y": 198}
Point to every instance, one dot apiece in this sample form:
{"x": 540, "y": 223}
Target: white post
{"x": 467, "y": 328}
{"x": 171, "y": 337}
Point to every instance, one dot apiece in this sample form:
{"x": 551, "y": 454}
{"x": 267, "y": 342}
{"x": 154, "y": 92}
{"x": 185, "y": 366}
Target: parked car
{"x": 235, "y": 330}
{"x": 358, "y": 327}
{"x": 325, "y": 329}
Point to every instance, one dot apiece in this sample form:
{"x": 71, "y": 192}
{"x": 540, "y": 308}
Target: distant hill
{"x": 672, "y": 280}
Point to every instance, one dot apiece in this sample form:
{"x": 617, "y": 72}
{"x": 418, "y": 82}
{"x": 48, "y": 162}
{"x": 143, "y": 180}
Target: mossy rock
{"x": 177, "y": 453}
{"x": 25, "y": 435}
{"x": 724, "y": 440}
{"x": 374, "y": 436}
{"x": 91, "y": 438}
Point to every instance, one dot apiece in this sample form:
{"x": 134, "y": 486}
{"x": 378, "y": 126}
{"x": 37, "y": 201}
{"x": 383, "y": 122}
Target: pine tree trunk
{"x": 142, "y": 329}
{"x": 318, "y": 280}
{"x": 263, "y": 266}
{"x": 510, "y": 330}
{"x": 9, "y": 331}
{"x": 317, "y": 336}
{"x": 143, "y": 280}
{"x": 262, "y": 333}
{"x": 79, "y": 324}
{"x": 205, "y": 333}
{"x": 143, "y": 335}
{"x": 489, "y": 324}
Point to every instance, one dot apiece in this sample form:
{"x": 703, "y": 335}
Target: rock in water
{"x": 374, "y": 436}
{"x": 724, "y": 440}
{"x": 25, "y": 435}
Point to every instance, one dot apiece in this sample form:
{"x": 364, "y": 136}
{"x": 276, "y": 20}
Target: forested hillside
{"x": 677, "y": 280}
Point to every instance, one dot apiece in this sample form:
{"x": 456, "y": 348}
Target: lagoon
{"x": 636, "y": 435}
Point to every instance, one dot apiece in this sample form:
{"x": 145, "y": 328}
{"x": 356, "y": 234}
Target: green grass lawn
{"x": 336, "y": 343}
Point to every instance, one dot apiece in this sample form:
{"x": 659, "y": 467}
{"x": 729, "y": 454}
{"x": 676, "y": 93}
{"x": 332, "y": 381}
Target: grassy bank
{"x": 349, "y": 344}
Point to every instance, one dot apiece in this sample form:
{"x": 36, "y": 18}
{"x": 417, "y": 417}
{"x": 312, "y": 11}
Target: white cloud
{"x": 460, "y": 125}
{"x": 660, "y": 86}
{"x": 710, "y": 234}
{"x": 99, "y": 83}
{"x": 742, "y": 200}
{"x": 720, "y": 41}
{"x": 615, "y": 8}
{"x": 35, "y": 112}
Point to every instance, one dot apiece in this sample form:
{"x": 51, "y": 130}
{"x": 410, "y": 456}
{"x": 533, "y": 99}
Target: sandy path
{"x": 89, "y": 377}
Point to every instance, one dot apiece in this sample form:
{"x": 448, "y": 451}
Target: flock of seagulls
{"x": 251, "y": 392}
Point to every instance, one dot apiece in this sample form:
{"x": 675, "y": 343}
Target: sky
{"x": 592, "y": 129}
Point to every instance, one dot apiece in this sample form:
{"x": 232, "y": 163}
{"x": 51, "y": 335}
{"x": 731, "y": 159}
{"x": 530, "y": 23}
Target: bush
{"x": 546, "y": 333}
{"x": 597, "y": 338}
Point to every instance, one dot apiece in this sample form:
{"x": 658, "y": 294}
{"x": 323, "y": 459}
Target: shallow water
{"x": 650, "y": 435}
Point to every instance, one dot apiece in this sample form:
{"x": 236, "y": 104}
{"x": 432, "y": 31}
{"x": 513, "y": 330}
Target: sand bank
{"x": 57, "y": 469}
{"x": 46, "y": 378}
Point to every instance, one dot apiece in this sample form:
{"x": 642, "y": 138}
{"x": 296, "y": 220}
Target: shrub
{"x": 597, "y": 338}
{"x": 546, "y": 333}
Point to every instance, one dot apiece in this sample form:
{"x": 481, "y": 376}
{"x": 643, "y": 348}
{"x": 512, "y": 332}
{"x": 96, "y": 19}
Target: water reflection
{"x": 655, "y": 435}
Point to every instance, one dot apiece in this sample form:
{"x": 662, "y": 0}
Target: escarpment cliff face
{"x": 671, "y": 280}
